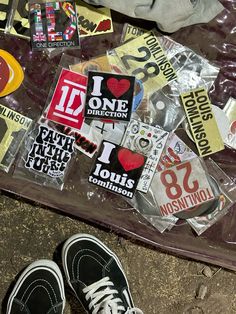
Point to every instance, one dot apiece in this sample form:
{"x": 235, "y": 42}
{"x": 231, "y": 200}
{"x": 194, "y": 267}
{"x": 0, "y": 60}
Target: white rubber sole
{"x": 80, "y": 237}
{"x": 43, "y": 264}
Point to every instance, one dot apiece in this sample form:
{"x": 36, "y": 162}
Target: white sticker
{"x": 182, "y": 187}
{"x": 149, "y": 141}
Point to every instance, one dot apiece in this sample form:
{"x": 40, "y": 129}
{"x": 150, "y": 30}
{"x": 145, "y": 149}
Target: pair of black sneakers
{"x": 93, "y": 272}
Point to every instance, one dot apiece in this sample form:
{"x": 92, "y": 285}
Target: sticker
{"x": 175, "y": 152}
{"x": 115, "y": 63}
{"x": 13, "y": 127}
{"x": 21, "y": 18}
{"x": 182, "y": 187}
{"x": 11, "y": 73}
{"x": 67, "y": 103}
{"x": 146, "y": 60}
{"x": 54, "y": 25}
{"x": 93, "y": 21}
{"x": 203, "y": 209}
{"x": 202, "y": 122}
{"x": 230, "y": 111}
{"x": 131, "y": 32}
{"x": 109, "y": 96}
{"x": 117, "y": 169}
{"x": 50, "y": 153}
{"x": 110, "y": 131}
{"x": 201, "y": 223}
{"x": 99, "y": 64}
{"x": 148, "y": 141}
{"x": 87, "y": 140}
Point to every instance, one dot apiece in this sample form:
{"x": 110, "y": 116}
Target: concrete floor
{"x": 160, "y": 283}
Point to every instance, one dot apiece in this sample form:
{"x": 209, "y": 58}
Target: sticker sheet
{"x": 145, "y": 58}
{"x": 92, "y": 20}
{"x": 175, "y": 152}
{"x": 182, "y": 187}
{"x": 50, "y": 152}
{"x": 230, "y": 110}
{"x": 109, "y": 96}
{"x": 99, "y": 64}
{"x": 67, "y": 104}
{"x": 87, "y": 140}
{"x": 54, "y": 25}
{"x": 13, "y": 127}
{"x": 202, "y": 122}
{"x": 148, "y": 141}
{"x": 117, "y": 169}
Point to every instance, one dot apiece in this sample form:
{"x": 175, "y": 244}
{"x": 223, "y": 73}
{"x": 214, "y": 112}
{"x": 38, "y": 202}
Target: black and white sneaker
{"x": 95, "y": 274}
{"x": 39, "y": 290}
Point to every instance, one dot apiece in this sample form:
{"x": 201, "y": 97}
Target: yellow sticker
{"x": 202, "y": 121}
{"x": 93, "y": 21}
{"x": 99, "y": 64}
{"x": 16, "y": 73}
{"x": 21, "y": 19}
{"x": 144, "y": 58}
{"x": 13, "y": 127}
{"x": 131, "y": 32}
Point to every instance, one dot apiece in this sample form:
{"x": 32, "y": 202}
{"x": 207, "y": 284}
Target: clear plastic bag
{"x": 216, "y": 42}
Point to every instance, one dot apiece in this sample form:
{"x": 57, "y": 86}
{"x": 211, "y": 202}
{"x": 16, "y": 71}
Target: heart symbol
{"x": 118, "y": 87}
{"x": 143, "y": 142}
{"x": 130, "y": 160}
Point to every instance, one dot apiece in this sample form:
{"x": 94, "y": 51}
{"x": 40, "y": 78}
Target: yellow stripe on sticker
{"x": 144, "y": 58}
{"x": 202, "y": 122}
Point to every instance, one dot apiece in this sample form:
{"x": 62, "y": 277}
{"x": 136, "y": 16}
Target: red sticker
{"x": 67, "y": 103}
{"x": 4, "y": 74}
{"x": 118, "y": 87}
{"x": 130, "y": 160}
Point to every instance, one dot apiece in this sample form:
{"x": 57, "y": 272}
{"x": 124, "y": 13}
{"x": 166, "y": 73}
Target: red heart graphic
{"x": 130, "y": 160}
{"x": 4, "y": 74}
{"x": 118, "y": 87}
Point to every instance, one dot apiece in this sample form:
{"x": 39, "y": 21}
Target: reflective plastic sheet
{"x": 215, "y": 41}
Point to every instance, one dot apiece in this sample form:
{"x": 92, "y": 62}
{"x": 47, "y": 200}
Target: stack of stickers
{"x": 123, "y": 109}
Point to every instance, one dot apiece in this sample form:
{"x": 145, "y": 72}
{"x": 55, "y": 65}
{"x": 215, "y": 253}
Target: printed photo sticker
{"x": 145, "y": 58}
{"x": 182, "y": 187}
{"x": 54, "y": 25}
{"x": 109, "y": 96}
{"x": 93, "y": 21}
{"x": 148, "y": 141}
{"x": 67, "y": 103}
{"x": 13, "y": 127}
{"x": 202, "y": 122}
{"x": 50, "y": 153}
{"x": 117, "y": 169}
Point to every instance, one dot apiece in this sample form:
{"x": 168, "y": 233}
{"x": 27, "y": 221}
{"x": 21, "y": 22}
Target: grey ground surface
{"x": 160, "y": 283}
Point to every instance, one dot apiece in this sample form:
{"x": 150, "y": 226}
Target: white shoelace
{"x": 104, "y": 301}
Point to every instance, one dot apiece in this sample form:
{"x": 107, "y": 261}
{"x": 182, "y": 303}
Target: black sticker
{"x": 54, "y": 25}
{"x": 109, "y": 96}
{"x": 50, "y": 153}
{"x": 117, "y": 169}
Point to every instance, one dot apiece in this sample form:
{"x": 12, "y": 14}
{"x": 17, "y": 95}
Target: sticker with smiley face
{"x": 148, "y": 141}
